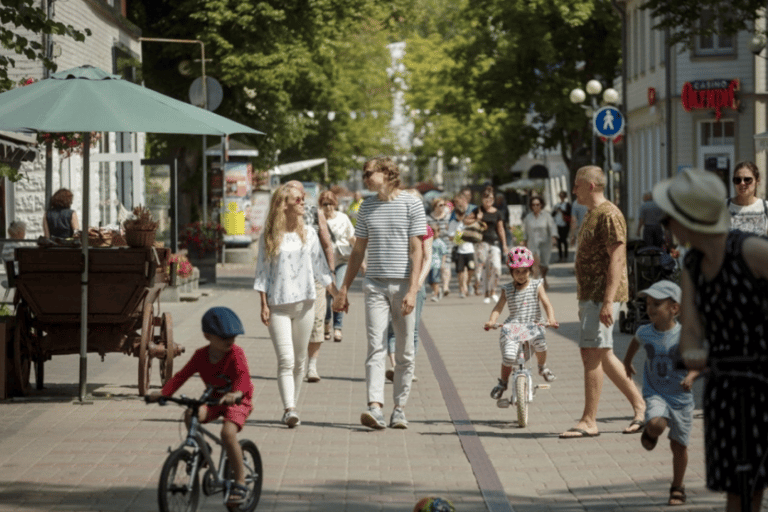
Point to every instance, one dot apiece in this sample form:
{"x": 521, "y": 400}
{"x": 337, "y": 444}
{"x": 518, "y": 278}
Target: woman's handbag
{"x": 474, "y": 232}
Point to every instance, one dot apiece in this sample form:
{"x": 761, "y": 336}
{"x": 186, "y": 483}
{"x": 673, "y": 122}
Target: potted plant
{"x": 140, "y": 230}
{"x": 203, "y": 240}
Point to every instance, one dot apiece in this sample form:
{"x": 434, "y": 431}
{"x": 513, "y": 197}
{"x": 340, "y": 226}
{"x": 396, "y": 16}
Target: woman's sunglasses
{"x": 746, "y": 179}
{"x": 327, "y": 204}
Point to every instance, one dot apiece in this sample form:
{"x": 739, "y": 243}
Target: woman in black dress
{"x": 725, "y": 302}
{"x": 493, "y": 245}
{"x": 60, "y": 220}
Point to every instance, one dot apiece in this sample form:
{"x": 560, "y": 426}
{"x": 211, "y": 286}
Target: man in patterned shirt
{"x": 601, "y": 285}
{"x": 389, "y": 226}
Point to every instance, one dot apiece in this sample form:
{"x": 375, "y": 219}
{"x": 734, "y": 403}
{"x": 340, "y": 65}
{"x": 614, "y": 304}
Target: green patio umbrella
{"x": 87, "y": 99}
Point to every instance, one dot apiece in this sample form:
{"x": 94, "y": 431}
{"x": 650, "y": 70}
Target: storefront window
{"x": 717, "y": 43}
{"x": 717, "y": 133}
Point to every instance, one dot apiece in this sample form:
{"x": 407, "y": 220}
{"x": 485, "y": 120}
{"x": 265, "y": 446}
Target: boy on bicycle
{"x": 218, "y": 364}
{"x": 666, "y": 388}
{"x": 524, "y": 324}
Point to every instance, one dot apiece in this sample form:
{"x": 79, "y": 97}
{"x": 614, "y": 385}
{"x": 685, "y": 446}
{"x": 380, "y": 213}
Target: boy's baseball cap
{"x": 223, "y": 322}
{"x": 663, "y": 290}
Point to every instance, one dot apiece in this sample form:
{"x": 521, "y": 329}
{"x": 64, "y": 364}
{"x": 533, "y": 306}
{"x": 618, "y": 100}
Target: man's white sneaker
{"x": 487, "y": 300}
{"x": 397, "y": 420}
{"x": 373, "y": 418}
{"x": 495, "y": 298}
{"x": 291, "y": 419}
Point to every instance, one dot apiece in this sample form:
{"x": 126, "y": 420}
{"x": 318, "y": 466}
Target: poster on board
{"x": 236, "y": 204}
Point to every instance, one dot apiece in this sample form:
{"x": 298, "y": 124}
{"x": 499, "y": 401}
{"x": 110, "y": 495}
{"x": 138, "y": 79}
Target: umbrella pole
{"x": 84, "y": 275}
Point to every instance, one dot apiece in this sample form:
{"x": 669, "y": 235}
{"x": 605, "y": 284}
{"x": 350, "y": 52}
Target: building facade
{"x": 117, "y": 177}
{"x": 717, "y": 103}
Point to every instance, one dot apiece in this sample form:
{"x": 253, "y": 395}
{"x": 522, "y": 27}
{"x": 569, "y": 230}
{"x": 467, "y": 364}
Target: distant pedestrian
{"x": 60, "y": 220}
{"x": 724, "y": 303}
{"x": 601, "y": 285}
{"x": 439, "y": 256}
{"x": 563, "y": 223}
{"x": 540, "y": 236}
{"x": 649, "y": 221}
{"x": 666, "y": 388}
{"x": 439, "y": 219}
{"x": 748, "y": 212}
{"x": 390, "y": 225}
{"x": 342, "y": 234}
{"x": 489, "y": 251}
{"x": 290, "y": 260}
{"x": 524, "y": 323}
{"x": 465, "y": 246}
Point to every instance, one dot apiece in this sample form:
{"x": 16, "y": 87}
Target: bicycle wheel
{"x": 254, "y": 476}
{"x": 521, "y": 390}
{"x": 179, "y": 489}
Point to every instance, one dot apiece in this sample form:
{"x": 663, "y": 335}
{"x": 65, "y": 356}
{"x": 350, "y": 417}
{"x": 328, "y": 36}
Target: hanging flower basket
{"x": 140, "y": 230}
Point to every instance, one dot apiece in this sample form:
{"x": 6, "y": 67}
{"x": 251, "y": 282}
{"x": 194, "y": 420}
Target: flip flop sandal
{"x": 640, "y": 425}
{"x": 648, "y": 442}
{"x": 677, "y": 495}
{"x": 237, "y": 494}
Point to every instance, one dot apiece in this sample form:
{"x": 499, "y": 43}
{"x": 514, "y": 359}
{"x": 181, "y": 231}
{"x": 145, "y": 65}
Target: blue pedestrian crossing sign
{"x": 608, "y": 122}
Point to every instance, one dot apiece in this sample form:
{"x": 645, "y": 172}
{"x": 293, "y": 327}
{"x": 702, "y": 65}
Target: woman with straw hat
{"x": 725, "y": 300}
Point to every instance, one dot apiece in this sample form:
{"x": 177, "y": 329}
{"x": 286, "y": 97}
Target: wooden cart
{"x": 124, "y": 287}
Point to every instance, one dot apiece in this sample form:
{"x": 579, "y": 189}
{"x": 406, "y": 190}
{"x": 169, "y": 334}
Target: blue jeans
{"x": 341, "y": 271}
{"x": 420, "y": 298}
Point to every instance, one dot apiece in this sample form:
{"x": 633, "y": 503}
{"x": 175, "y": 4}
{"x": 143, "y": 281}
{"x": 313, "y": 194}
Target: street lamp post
{"x": 594, "y": 88}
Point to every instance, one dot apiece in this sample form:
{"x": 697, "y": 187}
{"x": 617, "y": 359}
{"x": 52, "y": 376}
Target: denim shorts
{"x": 433, "y": 277}
{"x": 680, "y": 421}
{"x": 592, "y": 332}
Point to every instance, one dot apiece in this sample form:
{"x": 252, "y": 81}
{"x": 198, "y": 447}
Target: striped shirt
{"x": 388, "y": 227}
{"x": 523, "y": 304}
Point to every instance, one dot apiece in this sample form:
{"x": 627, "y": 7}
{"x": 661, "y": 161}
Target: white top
{"x": 342, "y": 231}
{"x": 388, "y": 226}
{"x": 290, "y": 276}
{"x": 539, "y": 230}
{"x": 751, "y": 218}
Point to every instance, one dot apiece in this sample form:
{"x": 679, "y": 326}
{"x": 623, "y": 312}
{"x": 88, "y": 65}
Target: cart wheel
{"x": 22, "y": 363}
{"x": 145, "y": 361}
{"x": 166, "y": 338}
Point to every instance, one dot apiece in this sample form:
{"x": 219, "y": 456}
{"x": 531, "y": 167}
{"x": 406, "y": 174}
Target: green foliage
{"x": 13, "y": 175}
{"x": 277, "y": 60}
{"x": 23, "y": 15}
{"x": 688, "y": 19}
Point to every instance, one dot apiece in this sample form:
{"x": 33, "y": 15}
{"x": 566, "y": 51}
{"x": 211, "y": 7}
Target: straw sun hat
{"x": 696, "y": 199}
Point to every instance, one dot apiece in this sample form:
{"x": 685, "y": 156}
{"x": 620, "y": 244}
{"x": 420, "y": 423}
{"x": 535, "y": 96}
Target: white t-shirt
{"x": 342, "y": 231}
{"x": 750, "y": 218}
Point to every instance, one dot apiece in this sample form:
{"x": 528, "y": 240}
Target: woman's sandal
{"x": 677, "y": 496}
{"x": 237, "y": 494}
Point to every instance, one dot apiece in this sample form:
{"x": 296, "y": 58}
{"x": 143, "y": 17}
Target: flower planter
{"x": 205, "y": 261}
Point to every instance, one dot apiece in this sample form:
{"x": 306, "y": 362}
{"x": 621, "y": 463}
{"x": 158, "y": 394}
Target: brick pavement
{"x": 106, "y": 455}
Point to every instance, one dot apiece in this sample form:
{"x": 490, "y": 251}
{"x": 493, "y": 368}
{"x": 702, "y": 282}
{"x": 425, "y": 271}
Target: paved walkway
{"x": 106, "y": 455}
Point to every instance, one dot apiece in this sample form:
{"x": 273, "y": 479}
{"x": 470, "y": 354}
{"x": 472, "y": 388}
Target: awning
{"x": 282, "y": 170}
{"x": 236, "y": 148}
{"x": 16, "y": 147}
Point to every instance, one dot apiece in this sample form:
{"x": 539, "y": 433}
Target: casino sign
{"x": 710, "y": 94}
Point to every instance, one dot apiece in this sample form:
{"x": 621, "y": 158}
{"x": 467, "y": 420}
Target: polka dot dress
{"x": 734, "y": 313}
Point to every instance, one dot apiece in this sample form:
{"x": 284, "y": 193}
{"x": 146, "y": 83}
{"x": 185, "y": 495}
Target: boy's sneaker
{"x": 495, "y": 298}
{"x": 373, "y": 418}
{"x": 547, "y": 374}
{"x": 291, "y": 419}
{"x": 397, "y": 420}
{"x": 487, "y": 300}
{"x": 498, "y": 390}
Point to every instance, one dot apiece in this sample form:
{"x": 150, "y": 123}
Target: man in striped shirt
{"x": 389, "y": 226}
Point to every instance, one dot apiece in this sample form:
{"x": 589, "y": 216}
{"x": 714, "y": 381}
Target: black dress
{"x": 733, "y": 308}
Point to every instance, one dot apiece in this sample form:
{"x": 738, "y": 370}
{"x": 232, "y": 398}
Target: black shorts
{"x": 465, "y": 261}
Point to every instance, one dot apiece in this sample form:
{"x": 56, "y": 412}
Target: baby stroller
{"x": 646, "y": 264}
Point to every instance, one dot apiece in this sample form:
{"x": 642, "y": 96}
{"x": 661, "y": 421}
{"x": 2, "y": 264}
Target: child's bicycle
{"x": 179, "y": 489}
{"x": 523, "y": 389}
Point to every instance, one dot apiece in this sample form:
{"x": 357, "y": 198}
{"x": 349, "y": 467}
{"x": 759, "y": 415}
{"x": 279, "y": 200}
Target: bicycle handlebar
{"x": 204, "y": 398}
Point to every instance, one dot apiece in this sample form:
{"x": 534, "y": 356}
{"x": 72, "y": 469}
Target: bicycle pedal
{"x": 543, "y": 386}
{"x": 502, "y": 403}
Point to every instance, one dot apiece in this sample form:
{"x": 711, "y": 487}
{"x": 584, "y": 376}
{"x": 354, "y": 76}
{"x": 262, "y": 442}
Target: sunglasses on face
{"x": 746, "y": 179}
{"x": 535, "y": 204}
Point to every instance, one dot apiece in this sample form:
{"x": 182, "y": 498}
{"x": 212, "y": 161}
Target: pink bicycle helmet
{"x": 520, "y": 257}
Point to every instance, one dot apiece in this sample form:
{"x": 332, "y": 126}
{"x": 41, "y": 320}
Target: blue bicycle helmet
{"x": 222, "y": 322}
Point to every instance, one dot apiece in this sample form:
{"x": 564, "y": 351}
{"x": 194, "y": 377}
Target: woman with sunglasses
{"x": 540, "y": 235}
{"x": 748, "y": 212}
{"x": 343, "y": 238}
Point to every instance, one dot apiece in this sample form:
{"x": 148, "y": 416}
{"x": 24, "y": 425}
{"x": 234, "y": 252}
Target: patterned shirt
{"x": 439, "y": 249}
{"x": 752, "y": 218}
{"x": 523, "y": 304}
{"x": 290, "y": 276}
{"x": 388, "y": 226}
{"x": 603, "y": 227}
{"x": 661, "y": 375}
